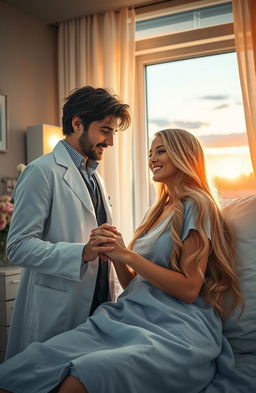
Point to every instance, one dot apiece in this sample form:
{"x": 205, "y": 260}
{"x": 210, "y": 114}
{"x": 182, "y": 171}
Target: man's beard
{"x": 86, "y": 147}
{"x": 92, "y": 153}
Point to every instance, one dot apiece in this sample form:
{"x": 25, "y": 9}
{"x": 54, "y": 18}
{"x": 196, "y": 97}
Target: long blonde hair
{"x": 186, "y": 154}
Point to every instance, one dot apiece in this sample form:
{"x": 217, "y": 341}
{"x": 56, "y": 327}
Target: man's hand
{"x": 118, "y": 250}
{"x": 102, "y": 240}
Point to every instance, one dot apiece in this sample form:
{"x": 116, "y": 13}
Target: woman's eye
{"x": 156, "y": 152}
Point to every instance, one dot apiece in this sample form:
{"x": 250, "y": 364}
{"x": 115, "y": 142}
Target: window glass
{"x": 203, "y": 96}
{"x": 201, "y": 17}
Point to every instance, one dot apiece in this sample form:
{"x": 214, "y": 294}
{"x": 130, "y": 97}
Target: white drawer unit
{"x": 6, "y": 312}
{"x": 9, "y": 281}
{"x": 3, "y": 335}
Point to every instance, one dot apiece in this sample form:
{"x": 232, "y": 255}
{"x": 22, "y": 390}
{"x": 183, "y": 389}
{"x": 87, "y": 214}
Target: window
{"x": 188, "y": 78}
{"x": 203, "y": 96}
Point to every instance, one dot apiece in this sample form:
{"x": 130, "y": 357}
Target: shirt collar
{"x": 77, "y": 158}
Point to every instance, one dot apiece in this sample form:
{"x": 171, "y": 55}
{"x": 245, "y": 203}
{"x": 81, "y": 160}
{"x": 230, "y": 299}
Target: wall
{"x": 28, "y": 75}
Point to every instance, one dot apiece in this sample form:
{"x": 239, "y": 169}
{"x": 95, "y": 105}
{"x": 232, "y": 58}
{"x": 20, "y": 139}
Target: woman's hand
{"x": 118, "y": 250}
{"x": 118, "y": 254}
{"x": 102, "y": 240}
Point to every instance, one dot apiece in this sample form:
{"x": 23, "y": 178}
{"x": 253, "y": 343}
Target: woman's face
{"x": 160, "y": 164}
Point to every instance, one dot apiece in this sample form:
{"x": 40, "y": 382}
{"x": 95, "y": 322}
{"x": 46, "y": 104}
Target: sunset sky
{"x": 203, "y": 96}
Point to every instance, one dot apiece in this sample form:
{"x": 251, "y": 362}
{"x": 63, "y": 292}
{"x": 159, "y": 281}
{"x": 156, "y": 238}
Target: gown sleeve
{"x": 190, "y": 220}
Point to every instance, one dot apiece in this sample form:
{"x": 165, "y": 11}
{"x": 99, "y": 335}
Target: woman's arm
{"x": 124, "y": 273}
{"x": 184, "y": 287}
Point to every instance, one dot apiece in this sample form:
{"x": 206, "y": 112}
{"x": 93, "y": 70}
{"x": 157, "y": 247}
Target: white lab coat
{"x": 52, "y": 221}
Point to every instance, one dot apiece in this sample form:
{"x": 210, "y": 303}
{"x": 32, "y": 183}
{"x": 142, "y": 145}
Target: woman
{"x": 164, "y": 334}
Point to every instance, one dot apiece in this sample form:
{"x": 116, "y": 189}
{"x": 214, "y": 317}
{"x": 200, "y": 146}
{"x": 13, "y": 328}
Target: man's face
{"x": 97, "y": 138}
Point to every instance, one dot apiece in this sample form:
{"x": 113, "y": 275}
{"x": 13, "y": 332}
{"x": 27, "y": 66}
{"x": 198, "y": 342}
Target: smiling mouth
{"x": 156, "y": 168}
{"x": 101, "y": 149}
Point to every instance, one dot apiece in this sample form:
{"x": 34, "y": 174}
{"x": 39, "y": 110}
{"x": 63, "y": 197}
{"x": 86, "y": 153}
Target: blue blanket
{"x": 146, "y": 342}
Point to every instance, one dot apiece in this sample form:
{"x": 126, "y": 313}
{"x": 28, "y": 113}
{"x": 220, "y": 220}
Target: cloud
{"x": 214, "y": 97}
{"x": 160, "y": 122}
{"x": 189, "y": 124}
{"x": 223, "y": 140}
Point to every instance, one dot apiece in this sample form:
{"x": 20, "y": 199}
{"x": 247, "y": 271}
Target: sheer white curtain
{"x": 245, "y": 37}
{"x": 98, "y": 50}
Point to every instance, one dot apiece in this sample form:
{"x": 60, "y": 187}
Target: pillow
{"x": 241, "y": 333}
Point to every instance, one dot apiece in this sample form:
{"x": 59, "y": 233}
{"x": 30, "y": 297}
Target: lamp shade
{"x": 41, "y": 139}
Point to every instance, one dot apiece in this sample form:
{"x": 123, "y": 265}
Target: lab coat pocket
{"x": 48, "y": 309}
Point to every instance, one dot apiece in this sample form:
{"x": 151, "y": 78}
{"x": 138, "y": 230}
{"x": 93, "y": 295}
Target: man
{"x": 59, "y": 198}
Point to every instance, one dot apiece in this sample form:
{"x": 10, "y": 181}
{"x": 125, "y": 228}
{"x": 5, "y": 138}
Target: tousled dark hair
{"x": 91, "y": 104}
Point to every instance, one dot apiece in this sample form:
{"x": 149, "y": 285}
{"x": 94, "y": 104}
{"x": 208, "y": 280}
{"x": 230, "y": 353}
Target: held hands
{"x": 102, "y": 240}
{"x": 107, "y": 242}
{"x": 119, "y": 252}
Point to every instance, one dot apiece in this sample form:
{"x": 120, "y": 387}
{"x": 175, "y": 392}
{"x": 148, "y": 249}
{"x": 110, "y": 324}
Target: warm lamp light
{"x": 52, "y": 141}
{"x": 41, "y": 139}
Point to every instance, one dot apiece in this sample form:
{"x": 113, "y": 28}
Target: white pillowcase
{"x": 241, "y": 333}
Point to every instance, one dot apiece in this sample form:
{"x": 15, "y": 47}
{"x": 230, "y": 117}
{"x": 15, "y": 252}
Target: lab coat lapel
{"x": 72, "y": 177}
{"x": 77, "y": 184}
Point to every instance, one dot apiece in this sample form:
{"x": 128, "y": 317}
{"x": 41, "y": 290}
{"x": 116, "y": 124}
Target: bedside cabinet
{"x": 9, "y": 281}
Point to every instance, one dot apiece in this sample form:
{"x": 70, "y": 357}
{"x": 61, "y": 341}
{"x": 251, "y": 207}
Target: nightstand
{"x": 9, "y": 281}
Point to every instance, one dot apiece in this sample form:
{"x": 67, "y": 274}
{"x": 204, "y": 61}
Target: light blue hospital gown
{"x": 146, "y": 342}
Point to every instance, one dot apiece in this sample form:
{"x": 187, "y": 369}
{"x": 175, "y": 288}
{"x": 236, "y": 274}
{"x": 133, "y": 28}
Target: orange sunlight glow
{"x": 228, "y": 162}
{"x": 229, "y": 168}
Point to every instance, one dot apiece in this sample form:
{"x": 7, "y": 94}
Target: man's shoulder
{"x": 46, "y": 161}
{"x": 59, "y": 155}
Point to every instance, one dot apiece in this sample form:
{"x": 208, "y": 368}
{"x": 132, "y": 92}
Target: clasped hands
{"x": 106, "y": 242}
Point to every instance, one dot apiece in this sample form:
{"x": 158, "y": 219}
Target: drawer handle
{"x": 14, "y": 282}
